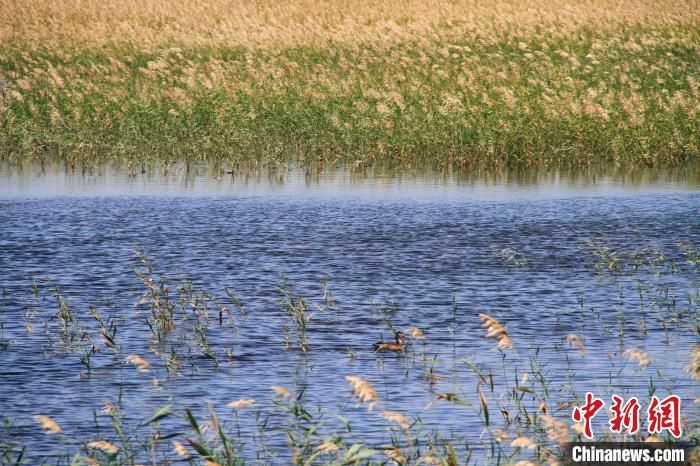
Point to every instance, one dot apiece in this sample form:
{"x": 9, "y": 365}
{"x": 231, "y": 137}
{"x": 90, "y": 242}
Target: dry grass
{"x": 556, "y": 430}
{"x": 153, "y": 23}
{"x": 283, "y": 392}
{"x": 180, "y": 449}
{"x": 104, "y": 446}
{"x": 398, "y": 418}
{"x": 362, "y": 390}
{"x": 242, "y": 403}
{"x": 523, "y": 442}
{"x": 575, "y": 342}
{"x": 637, "y": 355}
{"x": 48, "y": 424}
{"x": 496, "y": 330}
{"x": 141, "y": 364}
{"x": 451, "y": 82}
{"x": 327, "y": 447}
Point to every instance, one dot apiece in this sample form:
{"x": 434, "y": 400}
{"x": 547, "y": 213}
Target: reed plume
{"x": 363, "y": 391}
{"x": 141, "y": 364}
{"x": 638, "y": 355}
{"x": 497, "y": 331}
{"x": 48, "y": 424}
{"x": 241, "y": 404}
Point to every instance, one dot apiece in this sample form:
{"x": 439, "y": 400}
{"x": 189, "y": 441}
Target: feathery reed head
{"x": 362, "y": 390}
{"x": 48, "y": 424}
{"x": 523, "y": 442}
{"x": 104, "y": 446}
{"x": 283, "y": 392}
{"x": 638, "y": 355}
{"x": 556, "y": 430}
{"x": 141, "y": 364}
{"x": 416, "y": 333}
{"x": 241, "y": 404}
{"x": 497, "y": 331}
{"x": 398, "y": 418}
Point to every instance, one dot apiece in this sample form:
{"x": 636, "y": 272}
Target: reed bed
{"x": 400, "y": 83}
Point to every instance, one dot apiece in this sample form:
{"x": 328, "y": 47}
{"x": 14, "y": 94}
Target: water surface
{"x": 429, "y": 253}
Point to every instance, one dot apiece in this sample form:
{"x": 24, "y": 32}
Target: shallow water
{"x": 427, "y": 253}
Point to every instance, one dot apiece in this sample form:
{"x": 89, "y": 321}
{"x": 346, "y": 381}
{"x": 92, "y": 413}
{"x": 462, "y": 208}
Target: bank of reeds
{"x": 405, "y": 83}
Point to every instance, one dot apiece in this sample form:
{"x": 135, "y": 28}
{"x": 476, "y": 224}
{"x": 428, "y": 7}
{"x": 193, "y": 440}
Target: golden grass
{"x": 241, "y": 404}
{"x": 556, "y": 430}
{"x": 327, "y": 447}
{"x": 104, "y": 446}
{"x": 180, "y": 449}
{"x": 637, "y": 355}
{"x": 496, "y": 330}
{"x": 416, "y": 333}
{"x": 283, "y": 392}
{"x": 48, "y": 424}
{"x": 398, "y": 418}
{"x": 362, "y": 390}
{"x": 396, "y": 455}
{"x": 462, "y": 83}
{"x": 575, "y": 342}
{"x": 303, "y": 22}
{"x": 523, "y": 442}
{"x": 141, "y": 364}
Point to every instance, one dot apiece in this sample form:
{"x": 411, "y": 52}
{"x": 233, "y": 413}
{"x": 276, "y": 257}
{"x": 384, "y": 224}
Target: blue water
{"x": 407, "y": 254}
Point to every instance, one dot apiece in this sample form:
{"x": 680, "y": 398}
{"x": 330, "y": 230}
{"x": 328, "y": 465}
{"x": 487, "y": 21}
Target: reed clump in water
{"x": 295, "y": 307}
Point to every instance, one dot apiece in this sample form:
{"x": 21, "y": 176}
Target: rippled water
{"x": 429, "y": 254}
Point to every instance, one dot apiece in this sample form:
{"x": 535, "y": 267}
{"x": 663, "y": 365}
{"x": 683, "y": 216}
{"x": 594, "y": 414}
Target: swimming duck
{"x": 399, "y": 345}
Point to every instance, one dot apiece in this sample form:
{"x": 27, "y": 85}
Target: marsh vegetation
{"x": 449, "y": 84}
{"x": 544, "y": 258}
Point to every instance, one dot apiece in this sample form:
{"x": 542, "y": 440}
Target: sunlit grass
{"x": 405, "y": 83}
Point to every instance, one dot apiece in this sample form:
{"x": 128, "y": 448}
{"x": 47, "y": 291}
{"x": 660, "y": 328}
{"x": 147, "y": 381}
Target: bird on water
{"x": 398, "y": 345}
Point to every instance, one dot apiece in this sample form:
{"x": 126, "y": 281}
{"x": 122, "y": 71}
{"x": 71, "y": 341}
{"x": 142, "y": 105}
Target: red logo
{"x": 624, "y": 416}
{"x": 661, "y": 415}
{"x": 665, "y": 415}
{"x": 587, "y": 412}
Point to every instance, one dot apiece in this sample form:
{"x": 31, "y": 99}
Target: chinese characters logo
{"x": 662, "y": 415}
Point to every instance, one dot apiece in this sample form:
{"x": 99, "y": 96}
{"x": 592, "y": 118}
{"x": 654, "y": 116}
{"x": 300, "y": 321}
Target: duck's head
{"x": 400, "y": 337}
